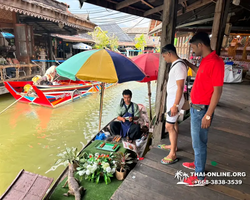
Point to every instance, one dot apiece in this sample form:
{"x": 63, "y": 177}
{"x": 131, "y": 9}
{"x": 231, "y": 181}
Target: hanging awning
{"x": 81, "y": 46}
{"x": 72, "y": 38}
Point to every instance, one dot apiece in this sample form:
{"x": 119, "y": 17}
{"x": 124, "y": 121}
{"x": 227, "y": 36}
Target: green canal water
{"x": 31, "y": 136}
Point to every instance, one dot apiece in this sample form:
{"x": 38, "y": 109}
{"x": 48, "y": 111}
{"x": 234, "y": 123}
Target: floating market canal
{"x": 32, "y": 136}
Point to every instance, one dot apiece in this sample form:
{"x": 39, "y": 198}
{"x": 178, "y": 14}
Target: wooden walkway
{"x": 228, "y": 151}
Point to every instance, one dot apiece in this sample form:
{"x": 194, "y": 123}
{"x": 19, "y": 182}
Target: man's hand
{"x": 123, "y": 119}
{"x": 189, "y": 64}
{"x": 174, "y": 111}
{"x": 205, "y": 123}
{"x": 130, "y": 119}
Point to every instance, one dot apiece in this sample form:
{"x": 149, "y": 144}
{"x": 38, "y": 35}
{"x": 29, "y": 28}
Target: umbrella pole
{"x": 101, "y": 105}
{"x": 149, "y": 100}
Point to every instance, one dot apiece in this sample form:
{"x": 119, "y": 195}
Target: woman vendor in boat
{"x": 127, "y": 112}
{"x": 48, "y": 77}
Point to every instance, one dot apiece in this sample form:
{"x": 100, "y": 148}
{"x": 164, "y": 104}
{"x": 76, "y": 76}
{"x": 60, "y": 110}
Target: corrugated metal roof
{"x": 136, "y": 30}
{"x": 117, "y": 31}
{"x": 86, "y": 36}
{"x": 74, "y": 38}
{"x": 83, "y": 16}
{"x": 126, "y": 44}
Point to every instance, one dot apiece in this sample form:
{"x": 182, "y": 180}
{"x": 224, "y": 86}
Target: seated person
{"x": 50, "y": 73}
{"x": 48, "y": 77}
{"x": 11, "y": 71}
{"x": 127, "y": 113}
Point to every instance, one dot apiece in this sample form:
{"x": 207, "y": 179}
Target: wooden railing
{"x": 23, "y": 71}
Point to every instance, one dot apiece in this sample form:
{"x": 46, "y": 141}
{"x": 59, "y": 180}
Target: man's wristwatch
{"x": 177, "y": 106}
{"x": 208, "y": 117}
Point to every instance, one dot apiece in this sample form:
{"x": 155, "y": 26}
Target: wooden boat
{"x": 53, "y": 96}
{"x": 27, "y": 185}
{"x": 39, "y": 184}
{"x": 106, "y": 128}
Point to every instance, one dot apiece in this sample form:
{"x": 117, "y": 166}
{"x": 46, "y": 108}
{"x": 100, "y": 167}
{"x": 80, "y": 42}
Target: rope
{"x": 11, "y": 105}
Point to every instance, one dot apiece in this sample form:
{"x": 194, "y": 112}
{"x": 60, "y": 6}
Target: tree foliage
{"x": 102, "y": 39}
{"x": 113, "y": 42}
{"x": 140, "y": 42}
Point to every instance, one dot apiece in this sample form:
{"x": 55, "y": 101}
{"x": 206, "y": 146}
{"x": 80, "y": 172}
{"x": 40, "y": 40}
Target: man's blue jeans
{"x": 199, "y": 140}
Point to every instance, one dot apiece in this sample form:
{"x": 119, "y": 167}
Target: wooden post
{"x": 1, "y": 72}
{"x": 43, "y": 57}
{"x": 30, "y": 70}
{"x": 219, "y": 24}
{"x": 167, "y": 36}
{"x": 49, "y": 47}
{"x": 149, "y": 100}
{"x": 17, "y": 70}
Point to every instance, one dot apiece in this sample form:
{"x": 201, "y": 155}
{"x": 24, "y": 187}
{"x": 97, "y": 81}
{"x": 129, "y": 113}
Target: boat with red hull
{"x": 53, "y": 96}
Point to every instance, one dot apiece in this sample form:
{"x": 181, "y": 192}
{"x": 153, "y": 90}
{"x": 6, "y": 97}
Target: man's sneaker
{"x": 194, "y": 181}
{"x": 189, "y": 165}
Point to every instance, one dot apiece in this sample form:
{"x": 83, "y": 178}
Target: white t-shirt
{"x": 178, "y": 72}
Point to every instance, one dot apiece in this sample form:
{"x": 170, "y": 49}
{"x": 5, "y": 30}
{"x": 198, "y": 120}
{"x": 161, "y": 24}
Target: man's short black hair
{"x": 169, "y": 48}
{"x": 127, "y": 92}
{"x": 201, "y": 37}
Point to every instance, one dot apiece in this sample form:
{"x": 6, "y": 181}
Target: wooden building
{"x": 32, "y": 23}
{"x": 152, "y": 42}
{"x": 62, "y": 45}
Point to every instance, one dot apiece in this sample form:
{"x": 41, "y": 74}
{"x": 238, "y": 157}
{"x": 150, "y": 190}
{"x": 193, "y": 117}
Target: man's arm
{"x": 122, "y": 119}
{"x": 119, "y": 113}
{"x": 214, "y": 101}
{"x": 179, "y": 92}
{"x": 136, "y": 113}
{"x": 193, "y": 67}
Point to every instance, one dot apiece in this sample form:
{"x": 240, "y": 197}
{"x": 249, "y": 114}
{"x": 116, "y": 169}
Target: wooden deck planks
{"x": 157, "y": 154}
{"x": 27, "y": 186}
{"x": 221, "y": 141}
{"x": 228, "y": 146}
{"x": 223, "y": 161}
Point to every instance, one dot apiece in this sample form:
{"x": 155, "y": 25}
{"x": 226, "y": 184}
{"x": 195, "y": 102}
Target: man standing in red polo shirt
{"x": 205, "y": 95}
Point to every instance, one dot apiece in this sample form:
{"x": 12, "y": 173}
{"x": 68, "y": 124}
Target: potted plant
{"x": 69, "y": 156}
{"x": 93, "y": 167}
{"x": 122, "y": 160}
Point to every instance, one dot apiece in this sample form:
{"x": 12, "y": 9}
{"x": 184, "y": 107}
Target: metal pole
{"x": 101, "y": 105}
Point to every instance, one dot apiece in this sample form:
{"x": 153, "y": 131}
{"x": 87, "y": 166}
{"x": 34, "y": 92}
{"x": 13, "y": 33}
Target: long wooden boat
{"x": 26, "y": 179}
{"x": 104, "y": 129}
{"x": 53, "y": 96}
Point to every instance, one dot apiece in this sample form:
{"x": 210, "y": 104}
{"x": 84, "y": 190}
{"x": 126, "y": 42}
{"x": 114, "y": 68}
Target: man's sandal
{"x": 162, "y": 146}
{"x": 163, "y": 161}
